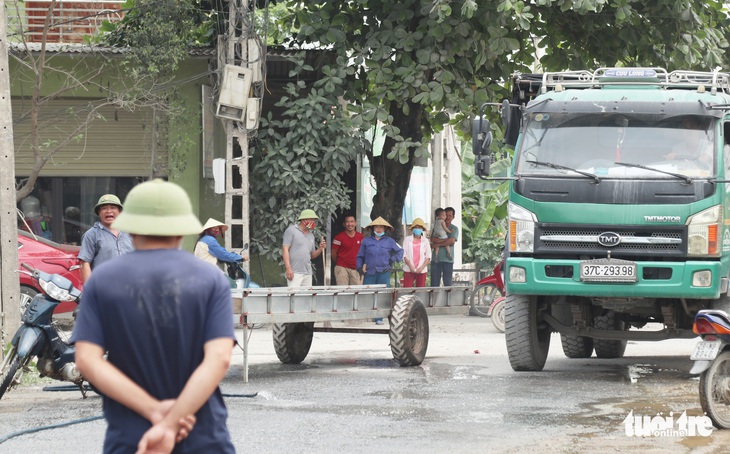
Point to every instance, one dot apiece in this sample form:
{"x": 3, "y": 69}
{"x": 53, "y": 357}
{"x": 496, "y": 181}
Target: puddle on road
{"x": 637, "y": 370}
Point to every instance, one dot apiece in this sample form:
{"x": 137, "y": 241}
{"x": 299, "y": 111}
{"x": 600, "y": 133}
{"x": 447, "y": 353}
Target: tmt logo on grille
{"x": 609, "y": 239}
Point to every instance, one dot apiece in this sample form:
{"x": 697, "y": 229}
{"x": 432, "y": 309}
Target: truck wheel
{"x": 577, "y": 346}
{"x": 481, "y": 298}
{"x": 527, "y": 335}
{"x": 609, "y": 348}
{"x": 292, "y": 341}
{"x": 409, "y": 331}
{"x": 714, "y": 391}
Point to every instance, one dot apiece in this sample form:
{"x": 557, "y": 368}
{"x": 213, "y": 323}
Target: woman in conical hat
{"x": 377, "y": 255}
{"x": 208, "y": 249}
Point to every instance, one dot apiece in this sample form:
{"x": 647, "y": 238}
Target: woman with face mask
{"x": 377, "y": 255}
{"x": 417, "y": 255}
{"x": 208, "y": 249}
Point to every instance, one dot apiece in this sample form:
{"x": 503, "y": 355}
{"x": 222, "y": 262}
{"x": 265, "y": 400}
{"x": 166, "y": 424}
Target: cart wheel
{"x": 409, "y": 331}
{"x": 292, "y": 341}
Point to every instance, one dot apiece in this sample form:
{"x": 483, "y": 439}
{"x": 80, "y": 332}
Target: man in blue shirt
{"x": 101, "y": 242}
{"x": 163, "y": 317}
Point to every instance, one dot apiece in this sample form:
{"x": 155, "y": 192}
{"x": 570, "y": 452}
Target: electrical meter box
{"x": 234, "y": 93}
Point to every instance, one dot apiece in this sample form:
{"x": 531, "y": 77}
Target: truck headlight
{"x": 521, "y": 229}
{"x": 702, "y": 232}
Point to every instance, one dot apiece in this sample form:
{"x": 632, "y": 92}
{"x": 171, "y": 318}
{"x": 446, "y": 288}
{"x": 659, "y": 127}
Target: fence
{"x": 70, "y": 21}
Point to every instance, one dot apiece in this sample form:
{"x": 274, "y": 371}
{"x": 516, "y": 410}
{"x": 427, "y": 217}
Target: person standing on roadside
{"x": 298, "y": 250}
{"x": 378, "y": 253}
{"x": 345, "y": 246}
{"x": 155, "y": 335}
{"x": 443, "y": 265}
{"x": 102, "y": 242}
{"x": 417, "y": 256}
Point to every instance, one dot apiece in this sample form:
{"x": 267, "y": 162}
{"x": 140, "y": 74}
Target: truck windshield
{"x": 595, "y": 143}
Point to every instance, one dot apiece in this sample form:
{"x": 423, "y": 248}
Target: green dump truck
{"x": 618, "y": 207}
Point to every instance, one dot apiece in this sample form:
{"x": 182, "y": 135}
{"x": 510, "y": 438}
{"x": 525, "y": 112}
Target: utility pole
{"x": 239, "y": 109}
{"x": 9, "y": 282}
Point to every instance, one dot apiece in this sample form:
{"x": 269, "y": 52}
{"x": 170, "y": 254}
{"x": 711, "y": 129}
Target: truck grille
{"x": 633, "y": 240}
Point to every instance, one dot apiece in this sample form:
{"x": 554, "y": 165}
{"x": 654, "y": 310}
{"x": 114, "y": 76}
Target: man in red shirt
{"x": 345, "y": 247}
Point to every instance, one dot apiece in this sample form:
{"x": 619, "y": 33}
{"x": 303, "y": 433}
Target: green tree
{"x": 484, "y": 207}
{"x": 417, "y": 65}
{"x": 301, "y": 156}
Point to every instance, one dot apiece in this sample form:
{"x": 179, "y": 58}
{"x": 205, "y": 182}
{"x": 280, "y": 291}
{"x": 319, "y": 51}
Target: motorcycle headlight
{"x": 703, "y": 229}
{"x": 521, "y": 228}
{"x": 55, "y": 292}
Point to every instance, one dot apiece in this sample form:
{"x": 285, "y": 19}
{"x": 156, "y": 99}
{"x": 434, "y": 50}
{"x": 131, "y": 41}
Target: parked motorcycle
{"x": 712, "y": 360}
{"x": 38, "y": 337}
{"x": 487, "y": 298}
{"x": 239, "y": 276}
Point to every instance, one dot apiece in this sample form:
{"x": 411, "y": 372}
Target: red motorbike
{"x": 487, "y": 299}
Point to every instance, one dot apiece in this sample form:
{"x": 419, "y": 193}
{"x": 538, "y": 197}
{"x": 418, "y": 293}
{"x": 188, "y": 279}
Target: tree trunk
{"x": 392, "y": 178}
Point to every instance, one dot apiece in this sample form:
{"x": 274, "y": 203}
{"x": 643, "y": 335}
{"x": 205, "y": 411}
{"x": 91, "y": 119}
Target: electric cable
{"x": 31, "y": 430}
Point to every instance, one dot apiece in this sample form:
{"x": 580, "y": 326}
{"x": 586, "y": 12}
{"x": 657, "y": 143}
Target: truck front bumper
{"x": 678, "y": 283}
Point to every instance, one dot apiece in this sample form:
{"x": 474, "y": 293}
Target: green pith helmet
{"x": 307, "y": 214}
{"x": 158, "y": 208}
{"x": 107, "y": 199}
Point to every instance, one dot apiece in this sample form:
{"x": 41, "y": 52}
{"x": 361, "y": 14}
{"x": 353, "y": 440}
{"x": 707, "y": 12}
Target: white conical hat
{"x": 213, "y": 223}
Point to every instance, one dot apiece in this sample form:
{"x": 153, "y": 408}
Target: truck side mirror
{"x": 481, "y": 165}
{"x": 506, "y": 113}
{"x": 481, "y": 138}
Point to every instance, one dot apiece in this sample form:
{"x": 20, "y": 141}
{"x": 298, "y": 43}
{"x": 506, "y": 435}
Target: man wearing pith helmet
{"x": 163, "y": 317}
{"x": 298, "y": 249}
{"x": 102, "y": 242}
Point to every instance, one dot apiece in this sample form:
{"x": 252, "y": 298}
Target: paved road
{"x": 350, "y": 396}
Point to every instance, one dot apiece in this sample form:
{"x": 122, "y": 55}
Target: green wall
{"x": 184, "y": 134}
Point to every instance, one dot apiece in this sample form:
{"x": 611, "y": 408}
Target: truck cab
{"x": 618, "y": 208}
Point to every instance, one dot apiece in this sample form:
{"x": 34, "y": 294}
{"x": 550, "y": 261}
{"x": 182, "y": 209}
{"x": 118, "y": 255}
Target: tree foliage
{"x": 417, "y": 65}
{"x": 300, "y": 158}
{"x": 157, "y": 33}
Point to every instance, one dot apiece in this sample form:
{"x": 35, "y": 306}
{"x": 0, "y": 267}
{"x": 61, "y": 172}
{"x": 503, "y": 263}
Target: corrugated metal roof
{"x": 57, "y": 48}
{"x": 75, "y": 48}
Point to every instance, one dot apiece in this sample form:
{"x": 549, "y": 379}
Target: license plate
{"x": 608, "y": 270}
{"x": 706, "y": 351}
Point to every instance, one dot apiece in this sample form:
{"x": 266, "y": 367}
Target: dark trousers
{"x": 439, "y": 270}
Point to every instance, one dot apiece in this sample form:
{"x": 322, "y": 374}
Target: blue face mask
{"x": 379, "y": 234}
{"x": 418, "y": 232}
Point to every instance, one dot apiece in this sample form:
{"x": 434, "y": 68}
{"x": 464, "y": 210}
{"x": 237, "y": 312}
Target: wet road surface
{"x": 349, "y": 395}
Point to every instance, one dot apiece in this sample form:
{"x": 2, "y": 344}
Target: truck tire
{"x": 527, "y": 335}
{"x": 409, "y": 331}
{"x": 577, "y": 346}
{"x": 609, "y": 348}
{"x": 292, "y": 341}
